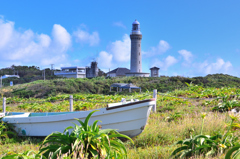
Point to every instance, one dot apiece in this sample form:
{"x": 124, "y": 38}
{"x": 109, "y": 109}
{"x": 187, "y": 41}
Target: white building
{"x": 71, "y": 72}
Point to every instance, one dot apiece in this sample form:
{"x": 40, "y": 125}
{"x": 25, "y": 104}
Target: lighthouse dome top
{"x": 136, "y": 27}
{"x": 136, "y": 22}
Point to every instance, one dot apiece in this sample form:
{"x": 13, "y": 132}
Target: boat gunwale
{"x": 130, "y": 104}
{"x": 65, "y": 117}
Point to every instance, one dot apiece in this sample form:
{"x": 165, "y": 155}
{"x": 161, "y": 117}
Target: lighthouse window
{"x": 139, "y": 53}
{"x": 139, "y": 62}
{"x": 139, "y": 45}
{"x": 135, "y": 27}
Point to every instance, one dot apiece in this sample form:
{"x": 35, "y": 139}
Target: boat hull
{"x": 129, "y": 119}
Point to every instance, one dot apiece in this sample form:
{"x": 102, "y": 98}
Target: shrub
{"x": 6, "y": 132}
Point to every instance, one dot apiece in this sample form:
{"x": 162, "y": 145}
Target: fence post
{"x": 4, "y": 104}
{"x": 1, "y": 82}
{"x": 71, "y": 103}
{"x": 155, "y": 96}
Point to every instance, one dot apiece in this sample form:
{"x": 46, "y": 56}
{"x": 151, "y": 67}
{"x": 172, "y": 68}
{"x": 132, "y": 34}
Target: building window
{"x": 139, "y": 45}
{"x": 139, "y": 62}
{"x": 139, "y": 53}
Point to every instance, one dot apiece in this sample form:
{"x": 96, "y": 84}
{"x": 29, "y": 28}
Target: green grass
{"x": 175, "y": 119}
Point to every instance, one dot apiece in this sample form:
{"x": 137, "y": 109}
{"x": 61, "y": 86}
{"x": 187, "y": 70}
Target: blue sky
{"x": 186, "y": 38}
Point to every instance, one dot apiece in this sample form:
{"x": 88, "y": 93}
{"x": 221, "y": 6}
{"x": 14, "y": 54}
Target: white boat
{"x": 128, "y": 118}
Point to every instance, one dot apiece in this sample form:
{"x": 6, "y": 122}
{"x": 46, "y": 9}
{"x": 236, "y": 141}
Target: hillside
{"x": 100, "y": 85}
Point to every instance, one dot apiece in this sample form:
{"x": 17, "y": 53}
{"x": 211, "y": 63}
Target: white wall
{"x": 111, "y": 75}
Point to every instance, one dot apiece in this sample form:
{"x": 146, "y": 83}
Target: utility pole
{"x": 1, "y": 82}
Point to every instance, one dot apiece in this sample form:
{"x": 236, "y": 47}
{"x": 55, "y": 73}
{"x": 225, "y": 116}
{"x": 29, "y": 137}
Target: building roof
{"x": 130, "y": 85}
{"x": 154, "y": 68}
{"x": 120, "y": 71}
{"x": 72, "y": 67}
{"x": 118, "y": 84}
{"x": 124, "y": 85}
{"x": 7, "y": 76}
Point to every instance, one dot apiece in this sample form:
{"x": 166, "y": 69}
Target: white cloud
{"x": 105, "y": 59}
{"x": 119, "y": 24}
{"x": 161, "y": 48}
{"x": 6, "y": 32}
{"x": 29, "y": 48}
{"x": 121, "y": 50}
{"x": 220, "y": 66}
{"x": 61, "y": 37}
{"x": 166, "y": 63}
{"x": 85, "y": 37}
{"x": 117, "y": 54}
{"x": 187, "y": 55}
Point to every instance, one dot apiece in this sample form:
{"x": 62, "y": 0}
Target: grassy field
{"x": 176, "y": 118}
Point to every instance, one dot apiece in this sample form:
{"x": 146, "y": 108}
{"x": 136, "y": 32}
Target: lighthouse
{"x": 136, "y": 55}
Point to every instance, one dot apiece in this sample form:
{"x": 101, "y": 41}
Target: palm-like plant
{"x": 85, "y": 141}
{"x": 205, "y": 144}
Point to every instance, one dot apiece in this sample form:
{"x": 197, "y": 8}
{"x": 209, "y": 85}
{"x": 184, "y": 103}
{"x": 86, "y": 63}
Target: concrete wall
{"x": 136, "y": 55}
{"x": 69, "y": 76}
{"x": 81, "y": 76}
{"x": 138, "y": 74}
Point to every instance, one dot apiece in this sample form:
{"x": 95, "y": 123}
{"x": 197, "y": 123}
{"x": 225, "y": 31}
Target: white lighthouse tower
{"x": 136, "y": 56}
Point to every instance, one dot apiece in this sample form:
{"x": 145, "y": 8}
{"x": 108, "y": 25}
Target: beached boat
{"x": 128, "y": 118}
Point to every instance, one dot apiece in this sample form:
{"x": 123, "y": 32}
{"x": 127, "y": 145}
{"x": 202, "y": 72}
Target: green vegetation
{"x": 206, "y": 145}
{"x": 85, "y": 141}
{"x": 27, "y": 74}
{"x": 178, "y": 122}
{"x": 101, "y": 85}
{"x": 7, "y": 134}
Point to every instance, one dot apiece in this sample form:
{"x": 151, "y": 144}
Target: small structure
{"x": 71, "y": 72}
{"x": 121, "y": 86}
{"x": 8, "y": 76}
{"x": 118, "y": 72}
{"x": 92, "y": 71}
{"x": 154, "y": 71}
